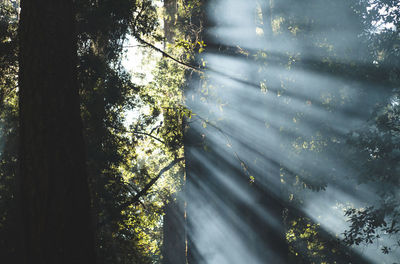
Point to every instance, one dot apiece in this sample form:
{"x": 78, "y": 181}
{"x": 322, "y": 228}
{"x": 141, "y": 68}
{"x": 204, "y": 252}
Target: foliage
{"x": 375, "y": 146}
{"x": 125, "y": 153}
{"x": 106, "y": 94}
{"x": 157, "y": 130}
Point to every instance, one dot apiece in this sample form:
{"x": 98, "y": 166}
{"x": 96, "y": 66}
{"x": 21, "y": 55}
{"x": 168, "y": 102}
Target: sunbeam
{"x": 285, "y": 85}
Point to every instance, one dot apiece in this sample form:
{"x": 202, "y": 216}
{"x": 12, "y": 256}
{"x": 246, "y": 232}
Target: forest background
{"x": 224, "y": 136}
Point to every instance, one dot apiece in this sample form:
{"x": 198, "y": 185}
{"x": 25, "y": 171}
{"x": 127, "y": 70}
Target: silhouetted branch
{"x": 149, "y": 135}
{"x": 144, "y": 191}
{"x": 197, "y": 69}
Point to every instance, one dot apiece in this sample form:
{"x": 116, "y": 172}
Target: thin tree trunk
{"x": 53, "y": 180}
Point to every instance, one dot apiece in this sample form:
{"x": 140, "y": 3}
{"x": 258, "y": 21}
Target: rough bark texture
{"x": 54, "y": 198}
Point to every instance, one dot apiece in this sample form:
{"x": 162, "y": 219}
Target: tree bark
{"x": 54, "y": 192}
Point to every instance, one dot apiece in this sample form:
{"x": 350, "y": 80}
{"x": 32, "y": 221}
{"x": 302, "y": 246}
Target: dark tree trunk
{"x": 174, "y": 233}
{"x": 54, "y": 194}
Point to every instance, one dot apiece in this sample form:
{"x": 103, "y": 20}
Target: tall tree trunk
{"x": 174, "y": 233}
{"x": 54, "y": 195}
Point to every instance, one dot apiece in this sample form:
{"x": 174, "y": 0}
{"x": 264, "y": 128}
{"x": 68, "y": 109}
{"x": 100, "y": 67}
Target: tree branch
{"x": 243, "y": 164}
{"x": 149, "y": 135}
{"x": 146, "y": 188}
{"x": 197, "y": 69}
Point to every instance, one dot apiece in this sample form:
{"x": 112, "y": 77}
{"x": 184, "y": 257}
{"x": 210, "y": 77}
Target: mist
{"x": 287, "y": 89}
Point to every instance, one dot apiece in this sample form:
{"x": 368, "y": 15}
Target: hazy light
{"x": 261, "y": 118}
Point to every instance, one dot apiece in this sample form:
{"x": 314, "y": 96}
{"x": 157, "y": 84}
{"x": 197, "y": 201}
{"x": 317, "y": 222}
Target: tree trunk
{"x": 174, "y": 233}
{"x": 54, "y": 195}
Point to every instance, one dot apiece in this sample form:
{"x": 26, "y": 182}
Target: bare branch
{"x": 194, "y": 68}
{"x": 149, "y": 135}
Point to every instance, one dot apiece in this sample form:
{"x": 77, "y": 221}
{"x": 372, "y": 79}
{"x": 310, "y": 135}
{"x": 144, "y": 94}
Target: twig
{"x": 133, "y": 46}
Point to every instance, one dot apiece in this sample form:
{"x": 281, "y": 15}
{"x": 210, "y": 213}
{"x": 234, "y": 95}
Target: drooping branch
{"x": 243, "y": 164}
{"x": 138, "y": 133}
{"x": 186, "y": 65}
{"x": 149, "y": 135}
{"x": 146, "y": 188}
